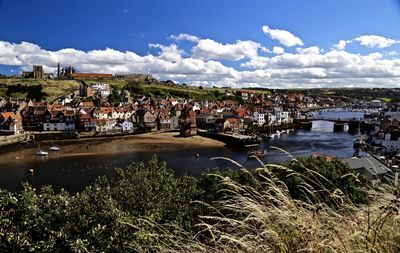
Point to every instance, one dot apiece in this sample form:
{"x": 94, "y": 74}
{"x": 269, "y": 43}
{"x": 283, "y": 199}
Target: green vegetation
{"x": 168, "y": 88}
{"x": 48, "y": 90}
{"x": 305, "y": 205}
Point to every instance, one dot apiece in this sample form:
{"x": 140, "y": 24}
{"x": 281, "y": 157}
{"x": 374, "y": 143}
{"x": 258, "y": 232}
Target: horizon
{"x": 285, "y": 45}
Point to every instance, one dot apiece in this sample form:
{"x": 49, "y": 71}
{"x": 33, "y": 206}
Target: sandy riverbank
{"x": 142, "y": 142}
{"x": 136, "y": 143}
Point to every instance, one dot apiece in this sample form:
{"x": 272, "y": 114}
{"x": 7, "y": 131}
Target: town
{"x": 237, "y": 117}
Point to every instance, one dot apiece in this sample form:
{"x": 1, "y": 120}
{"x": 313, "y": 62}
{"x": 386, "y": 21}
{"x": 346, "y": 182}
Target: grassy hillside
{"x": 159, "y": 88}
{"x": 49, "y": 89}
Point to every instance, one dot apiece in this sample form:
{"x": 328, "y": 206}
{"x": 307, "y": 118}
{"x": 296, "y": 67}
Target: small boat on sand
{"x": 54, "y": 148}
{"x": 40, "y": 152}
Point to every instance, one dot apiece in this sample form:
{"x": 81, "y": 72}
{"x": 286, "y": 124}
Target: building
{"x": 371, "y": 168}
{"x": 33, "y": 116}
{"x": 59, "y": 120}
{"x": 205, "y": 121}
{"x": 85, "y": 76}
{"x": 37, "y": 73}
{"x": 86, "y": 123}
{"x": 10, "y": 123}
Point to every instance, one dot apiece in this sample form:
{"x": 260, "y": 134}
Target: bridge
{"x": 337, "y": 120}
{"x": 353, "y": 124}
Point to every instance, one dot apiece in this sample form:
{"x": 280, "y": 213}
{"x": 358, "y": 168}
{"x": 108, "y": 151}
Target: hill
{"x": 18, "y": 88}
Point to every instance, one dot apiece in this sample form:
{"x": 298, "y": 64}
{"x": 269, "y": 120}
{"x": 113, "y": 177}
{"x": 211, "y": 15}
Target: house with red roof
{"x": 10, "y": 123}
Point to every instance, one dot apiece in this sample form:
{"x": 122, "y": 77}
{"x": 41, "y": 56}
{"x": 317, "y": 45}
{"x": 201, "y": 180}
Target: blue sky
{"x": 114, "y": 29}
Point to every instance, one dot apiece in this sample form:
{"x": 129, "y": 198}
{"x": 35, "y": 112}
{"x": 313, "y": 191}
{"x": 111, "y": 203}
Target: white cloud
{"x": 184, "y": 36}
{"x": 203, "y": 65}
{"x": 169, "y": 53}
{"x": 208, "y": 49}
{"x": 375, "y": 41}
{"x": 284, "y": 37}
{"x": 278, "y": 50}
{"x": 341, "y": 45}
{"x": 309, "y": 50}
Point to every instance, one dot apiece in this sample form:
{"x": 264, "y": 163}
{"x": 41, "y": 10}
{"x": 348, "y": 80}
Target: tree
{"x": 325, "y": 176}
{"x": 135, "y": 88}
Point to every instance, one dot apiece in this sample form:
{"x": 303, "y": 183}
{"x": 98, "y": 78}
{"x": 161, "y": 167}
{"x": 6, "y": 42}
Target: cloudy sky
{"x": 266, "y": 43}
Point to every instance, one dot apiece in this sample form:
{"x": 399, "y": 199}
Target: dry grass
{"x": 53, "y": 88}
{"x": 269, "y": 220}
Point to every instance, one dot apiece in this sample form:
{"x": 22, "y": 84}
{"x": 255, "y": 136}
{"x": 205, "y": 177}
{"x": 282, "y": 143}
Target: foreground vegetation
{"x": 307, "y": 205}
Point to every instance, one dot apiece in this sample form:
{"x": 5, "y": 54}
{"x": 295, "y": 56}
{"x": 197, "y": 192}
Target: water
{"x": 75, "y": 172}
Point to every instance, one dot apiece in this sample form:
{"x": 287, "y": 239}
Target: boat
{"x": 251, "y": 145}
{"x": 270, "y": 136}
{"x": 40, "y": 152}
{"x": 54, "y": 148}
{"x": 256, "y": 153}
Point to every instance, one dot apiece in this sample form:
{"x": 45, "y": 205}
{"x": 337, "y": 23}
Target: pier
{"x": 231, "y": 140}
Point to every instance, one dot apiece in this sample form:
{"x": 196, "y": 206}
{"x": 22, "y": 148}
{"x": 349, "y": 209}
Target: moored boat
{"x": 256, "y": 153}
{"x": 40, "y": 152}
{"x": 54, "y": 148}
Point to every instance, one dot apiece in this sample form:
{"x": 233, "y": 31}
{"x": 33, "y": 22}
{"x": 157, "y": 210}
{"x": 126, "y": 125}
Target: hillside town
{"x": 98, "y": 109}
{"x": 90, "y": 111}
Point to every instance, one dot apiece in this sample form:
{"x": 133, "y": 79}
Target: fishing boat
{"x": 256, "y": 153}
{"x": 40, "y": 152}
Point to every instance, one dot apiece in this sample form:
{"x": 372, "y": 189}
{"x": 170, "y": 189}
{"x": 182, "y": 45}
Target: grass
{"x": 53, "y": 88}
{"x": 120, "y": 83}
{"x": 268, "y": 219}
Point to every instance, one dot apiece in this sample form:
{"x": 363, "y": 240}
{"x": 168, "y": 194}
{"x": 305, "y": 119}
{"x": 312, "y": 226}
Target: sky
{"x": 237, "y": 43}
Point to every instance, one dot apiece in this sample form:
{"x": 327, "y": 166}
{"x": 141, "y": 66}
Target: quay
{"x": 231, "y": 140}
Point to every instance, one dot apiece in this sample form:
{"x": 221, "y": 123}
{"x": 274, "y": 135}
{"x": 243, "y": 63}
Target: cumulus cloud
{"x": 341, "y": 45}
{"x": 284, "y": 37}
{"x": 204, "y": 65}
{"x": 375, "y": 41}
{"x": 184, "y": 36}
{"x": 309, "y": 50}
{"x": 209, "y": 49}
{"x": 278, "y": 50}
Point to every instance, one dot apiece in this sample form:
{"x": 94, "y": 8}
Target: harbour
{"x": 78, "y": 163}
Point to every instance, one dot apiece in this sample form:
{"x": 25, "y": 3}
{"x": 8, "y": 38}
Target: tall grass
{"x": 265, "y": 218}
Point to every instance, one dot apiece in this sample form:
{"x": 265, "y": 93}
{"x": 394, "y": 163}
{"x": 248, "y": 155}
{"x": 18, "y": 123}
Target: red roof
{"x": 11, "y": 115}
{"x": 88, "y": 75}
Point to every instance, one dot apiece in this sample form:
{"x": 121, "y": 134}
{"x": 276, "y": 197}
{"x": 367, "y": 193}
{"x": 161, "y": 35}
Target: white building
{"x": 127, "y": 126}
{"x": 57, "y": 126}
{"x": 259, "y": 118}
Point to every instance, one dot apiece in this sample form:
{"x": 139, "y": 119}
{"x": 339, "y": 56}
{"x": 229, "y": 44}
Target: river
{"x": 73, "y": 173}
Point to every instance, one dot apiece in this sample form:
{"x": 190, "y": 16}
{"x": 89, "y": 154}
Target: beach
{"x": 113, "y": 145}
